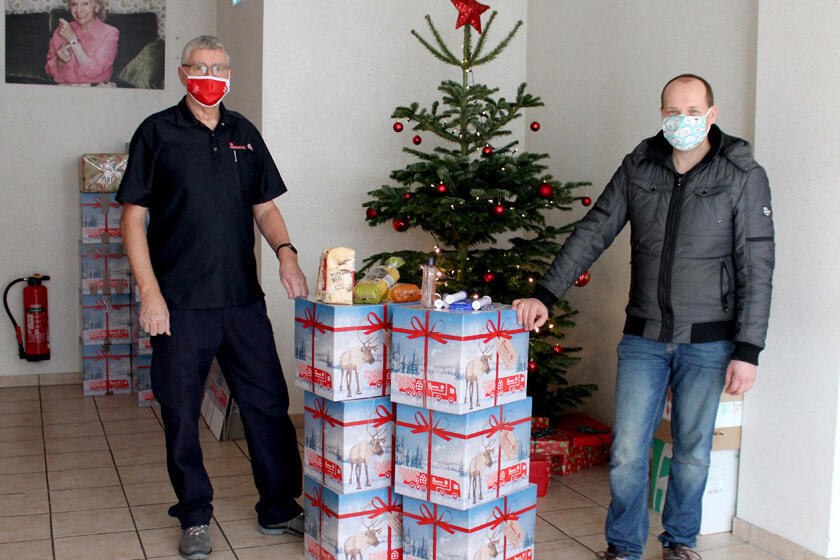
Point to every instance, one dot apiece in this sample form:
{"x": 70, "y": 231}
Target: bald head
{"x": 687, "y": 78}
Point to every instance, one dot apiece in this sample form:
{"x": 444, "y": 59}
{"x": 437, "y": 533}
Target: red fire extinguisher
{"x": 36, "y": 322}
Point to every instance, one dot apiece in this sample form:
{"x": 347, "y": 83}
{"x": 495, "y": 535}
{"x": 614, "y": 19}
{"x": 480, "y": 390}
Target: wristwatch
{"x": 289, "y": 245}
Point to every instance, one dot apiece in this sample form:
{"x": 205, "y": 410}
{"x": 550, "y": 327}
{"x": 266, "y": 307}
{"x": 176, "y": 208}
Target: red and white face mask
{"x": 207, "y": 91}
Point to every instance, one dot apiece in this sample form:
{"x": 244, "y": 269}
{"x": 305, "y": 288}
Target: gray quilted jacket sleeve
{"x": 754, "y": 258}
{"x": 591, "y": 236}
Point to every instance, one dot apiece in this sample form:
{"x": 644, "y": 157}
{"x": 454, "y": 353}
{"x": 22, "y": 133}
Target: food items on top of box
{"x": 336, "y": 273}
{"x": 377, "y": 281}
{"x": 502, "y": 529}
{"x": 403, "y": 293}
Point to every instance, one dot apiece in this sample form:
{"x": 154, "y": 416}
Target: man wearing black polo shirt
{"x": 202, "y": 175}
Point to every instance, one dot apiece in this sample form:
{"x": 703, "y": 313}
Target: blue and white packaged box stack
{"x": 342, "y": 351}
{"x": 461, "y": 460}
{"x": 348, "y": 445}
{"x": 365, "y": 525}
{"x": 502, "y": 528}
{"x": 462, "y": 453}
{"x": 343, "y": 362}
{"x": 105, "y": 279}
{"x": 458, "y": 361}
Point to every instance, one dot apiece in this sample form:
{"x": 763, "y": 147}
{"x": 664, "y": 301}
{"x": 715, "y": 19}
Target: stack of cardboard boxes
{"x": 722, "y": 484}
{"x": 105, "y": 279}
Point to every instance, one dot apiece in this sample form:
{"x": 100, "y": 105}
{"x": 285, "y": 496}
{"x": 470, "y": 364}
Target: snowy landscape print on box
{"x": 501, "y": 529}
{"x": 363, "y": 526}
{"x": 342, "y": 351}
{"x": 462, "y": 460}
{"x": 348, "y": 445}
{"x": 458, "y": 361}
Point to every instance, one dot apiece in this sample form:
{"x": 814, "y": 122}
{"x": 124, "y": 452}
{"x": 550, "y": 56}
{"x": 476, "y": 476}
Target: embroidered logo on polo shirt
{"x": 245, "y": 147}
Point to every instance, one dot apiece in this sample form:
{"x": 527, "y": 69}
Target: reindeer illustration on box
{"x": 353, "y": 360}
{"x": 477, "y": 367}
{"x": 347, "y": 437}
{"x": 361, "y": 453}
{"x": 490, "y": 550}
{"x": 502, "y": 528}
{"x": 364, "y": 525}
{"x": 453, "y": 361}
{"x": 357, "y": 543}
{"x": 480, "y": 460}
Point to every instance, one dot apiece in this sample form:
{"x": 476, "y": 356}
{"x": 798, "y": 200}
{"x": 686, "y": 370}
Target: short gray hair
{"x": 203, "y": 42}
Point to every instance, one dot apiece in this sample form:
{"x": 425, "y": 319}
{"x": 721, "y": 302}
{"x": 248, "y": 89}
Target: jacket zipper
{"x": 724, "y": 291}
{"x": 666, "y": 265}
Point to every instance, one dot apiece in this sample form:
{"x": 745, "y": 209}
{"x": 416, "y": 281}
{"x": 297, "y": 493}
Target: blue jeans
{"x": 646, "y": 369}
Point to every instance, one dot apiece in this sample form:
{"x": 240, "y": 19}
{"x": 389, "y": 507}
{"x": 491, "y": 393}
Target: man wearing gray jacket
{"x": 701, "y": 276}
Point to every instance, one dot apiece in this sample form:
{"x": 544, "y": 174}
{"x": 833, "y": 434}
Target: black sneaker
{"x": 195, "y": 542}
{"x": 293, "y": 526}
{"x": 677, "y": 551}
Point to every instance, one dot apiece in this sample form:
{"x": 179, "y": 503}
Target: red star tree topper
{"x": 469, "y": 11}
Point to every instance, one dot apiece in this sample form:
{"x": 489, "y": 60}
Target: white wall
{"x": 45, "y": 131}
{"x": 600, "y": 66}
{"x": 332, "y": 75}
{"x": 789, "y": 460}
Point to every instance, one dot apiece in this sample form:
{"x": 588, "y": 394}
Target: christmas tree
{"x": 481, "y": 187}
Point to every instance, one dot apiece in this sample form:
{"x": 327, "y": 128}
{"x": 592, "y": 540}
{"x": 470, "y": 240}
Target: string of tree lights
{"x": 475, "y": 187}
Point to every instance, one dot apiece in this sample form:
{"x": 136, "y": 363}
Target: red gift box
{"x": 570, "y": 448}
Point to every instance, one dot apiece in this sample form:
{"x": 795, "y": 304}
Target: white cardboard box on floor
{"x": 721, "y": 487}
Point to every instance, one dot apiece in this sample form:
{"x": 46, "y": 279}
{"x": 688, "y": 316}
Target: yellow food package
{"x": 376, "y": 283}
{"x": 335, "y": 275}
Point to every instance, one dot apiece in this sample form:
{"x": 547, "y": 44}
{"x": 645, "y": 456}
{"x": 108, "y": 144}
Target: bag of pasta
{"x": 378, "y": 280}
{"x": 335, "y": 275}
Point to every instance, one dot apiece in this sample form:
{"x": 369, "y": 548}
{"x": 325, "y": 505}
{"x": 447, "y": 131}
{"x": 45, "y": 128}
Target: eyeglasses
{"x": 203, "y": 69}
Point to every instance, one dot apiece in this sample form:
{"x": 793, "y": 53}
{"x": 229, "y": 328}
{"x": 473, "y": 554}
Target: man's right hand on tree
{"x": 530, "y": 313}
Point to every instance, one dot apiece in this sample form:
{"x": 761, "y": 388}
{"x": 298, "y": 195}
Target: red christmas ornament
{"x": 407, "y": 196}
{"x": 398, "y": 126}
{"x": 489, "y": 277}
{"x": 532, "y": 367}
{"x": 545, "y": 190}
{"x": 469, "y": 11}
{"x": 535, "y": 126}
{"x": 498, "y": 209}
{"x": 417, "y": 140}
{"x": 486, "y": 150}
{"x": 441, "y": 188}
{"x": 583, "y": 280}
{"x": 586, "y": 201}
{"x": 400, "y": 224}
{"x": 558, "y": 349}
{"x": 371, "y": 213}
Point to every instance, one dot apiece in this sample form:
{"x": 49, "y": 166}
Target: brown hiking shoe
{"x": 677, "y": 551}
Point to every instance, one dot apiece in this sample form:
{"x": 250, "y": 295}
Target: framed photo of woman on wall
{"x": 99, "y": 43}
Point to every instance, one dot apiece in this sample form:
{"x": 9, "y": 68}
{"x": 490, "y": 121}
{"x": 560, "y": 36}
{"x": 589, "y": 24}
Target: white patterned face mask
{"x": 685, "y": 132}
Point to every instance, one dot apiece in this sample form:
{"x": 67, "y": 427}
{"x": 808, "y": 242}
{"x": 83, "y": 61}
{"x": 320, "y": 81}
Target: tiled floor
{"x": 85, "y": 478}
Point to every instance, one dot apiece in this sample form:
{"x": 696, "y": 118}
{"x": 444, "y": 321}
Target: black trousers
{"x": 242, "y": 339}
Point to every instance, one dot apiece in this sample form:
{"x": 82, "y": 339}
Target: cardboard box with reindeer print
{"x": 366, "y": 525}
{"x": 498, "y": 529}
{"x": 461, "y": 461}
{"x": 342, "y": 352}
{"x": 349, "y": 445}
{"x": 458, "y": 362}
